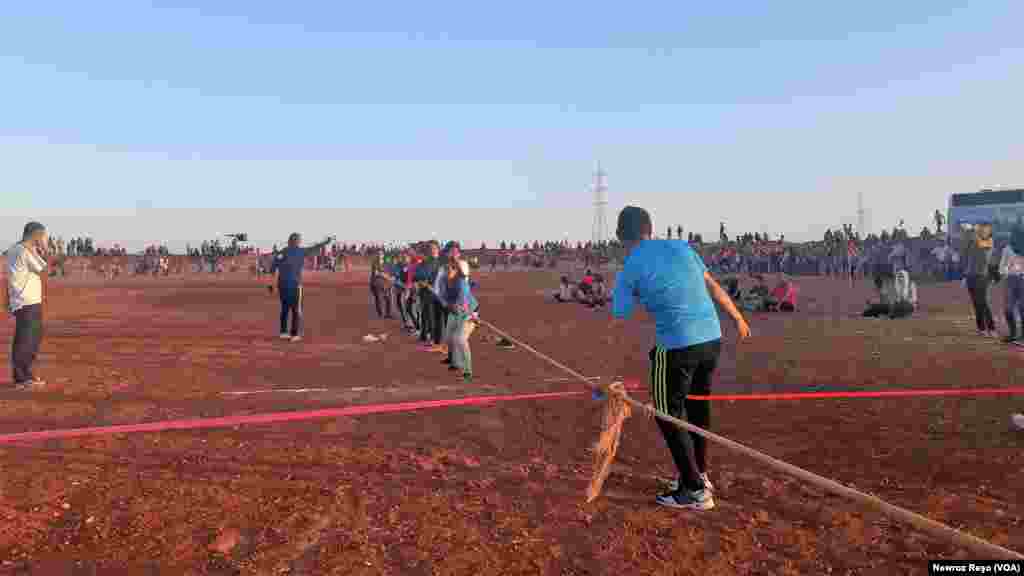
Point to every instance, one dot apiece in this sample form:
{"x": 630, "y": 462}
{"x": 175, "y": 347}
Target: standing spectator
{"x": 288, "y": 265}
{"x": 898, "y": 256}
{"x": 424, "y": 276}
{"x": 977, "y": 255}
{"x": 380, "y": 285}
{"x": 1011, "y": 266}
{"x": 26, "y": 265}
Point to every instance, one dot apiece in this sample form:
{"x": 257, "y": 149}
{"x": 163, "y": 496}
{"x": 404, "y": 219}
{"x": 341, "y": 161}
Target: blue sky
{"x": 356, "y": 116}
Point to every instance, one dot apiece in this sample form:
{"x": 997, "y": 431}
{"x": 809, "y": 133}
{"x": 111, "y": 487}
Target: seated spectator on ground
{"x": 585, "y": 289}
{"x": 598, "y": 293}
{"x": 565, "y": 291}
{"x": 783, "y": 297}
{"x": 732, "y": 288}
{"x": 897, "y": 295}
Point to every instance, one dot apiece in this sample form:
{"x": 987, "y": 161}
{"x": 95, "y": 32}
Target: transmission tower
{"x": 600, "y": 191}
{"x": 860, "y": 216}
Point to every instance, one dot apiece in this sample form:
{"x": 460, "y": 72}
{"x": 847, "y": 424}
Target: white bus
{"x": 1003, "y": 208}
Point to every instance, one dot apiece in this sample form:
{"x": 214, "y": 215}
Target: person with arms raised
{"x": 288, "y": 265}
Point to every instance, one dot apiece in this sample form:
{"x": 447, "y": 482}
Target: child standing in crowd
{"x": 1011, "y": 266}
{"x": 976, "y": 258}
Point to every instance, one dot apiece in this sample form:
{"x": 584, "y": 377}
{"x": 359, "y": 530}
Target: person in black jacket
{"x": 425, "y": 273}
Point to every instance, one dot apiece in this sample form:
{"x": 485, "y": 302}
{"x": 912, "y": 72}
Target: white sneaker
{"x": 285, "y": 336}
{"x": 674, "y": 485}
{"x": 296, "y": 338}
{"x": 1018, "y": 421}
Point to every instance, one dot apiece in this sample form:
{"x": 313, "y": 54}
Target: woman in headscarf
{"x": 897, "y": 295}
{"x": 1011, "y": 266}
{"x": 976, "y": 254}
{"x": 902, "y": 296}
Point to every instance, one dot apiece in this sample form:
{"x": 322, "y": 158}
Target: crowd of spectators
{"x": 839, "y": 251}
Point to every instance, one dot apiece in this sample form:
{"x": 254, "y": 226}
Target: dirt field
{"x": 495, "y": 489}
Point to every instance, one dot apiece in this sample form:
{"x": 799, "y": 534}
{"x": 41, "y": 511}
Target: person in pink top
{"x": 783, "y": 297}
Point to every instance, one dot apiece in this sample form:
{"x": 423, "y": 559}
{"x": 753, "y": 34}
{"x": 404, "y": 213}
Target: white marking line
{"x": 286, "y": 390}
{"x": 364, "y": 388}
{"x": 549, "y": 380}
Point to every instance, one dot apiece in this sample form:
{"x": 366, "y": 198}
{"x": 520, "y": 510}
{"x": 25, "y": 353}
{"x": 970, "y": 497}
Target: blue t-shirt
{"x": 667, "y": 278}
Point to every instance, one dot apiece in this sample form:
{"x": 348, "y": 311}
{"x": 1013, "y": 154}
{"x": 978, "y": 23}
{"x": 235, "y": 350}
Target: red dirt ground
{"x": 485, "y": 490}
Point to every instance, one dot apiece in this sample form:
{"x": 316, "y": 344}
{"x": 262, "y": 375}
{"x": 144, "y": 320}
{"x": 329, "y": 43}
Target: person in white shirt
{"x": 898, "y": 258}
{"x": 26, "y": 265}
{"x": 1011, "y": 267}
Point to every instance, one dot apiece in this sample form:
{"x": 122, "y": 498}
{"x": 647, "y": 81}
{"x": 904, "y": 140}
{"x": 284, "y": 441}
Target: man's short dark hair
{"x": 30, "y": 230}
{"x": 293, "y": 237}
{"x": 634, "y": 224}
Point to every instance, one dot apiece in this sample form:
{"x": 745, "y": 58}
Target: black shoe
{"x": 446, "y": 361}
{"x": 686, "y": 500}
{"x": 1009, "y": 339}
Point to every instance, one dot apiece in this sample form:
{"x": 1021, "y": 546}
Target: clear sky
{"x": 212, "y": 116}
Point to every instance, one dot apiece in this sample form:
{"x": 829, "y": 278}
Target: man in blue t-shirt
{"x": 671, "y": 281}
{"x": 288, "y": 264}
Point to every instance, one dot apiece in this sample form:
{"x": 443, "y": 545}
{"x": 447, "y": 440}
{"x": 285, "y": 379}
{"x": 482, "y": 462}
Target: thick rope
{"x": 979, "y": 546}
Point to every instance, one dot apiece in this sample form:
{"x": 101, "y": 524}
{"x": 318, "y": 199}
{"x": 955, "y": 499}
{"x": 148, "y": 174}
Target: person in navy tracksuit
{"x": 288, "y": 265}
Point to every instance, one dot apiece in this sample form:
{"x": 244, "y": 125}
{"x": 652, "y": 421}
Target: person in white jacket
{"x": 1011, "y": 267}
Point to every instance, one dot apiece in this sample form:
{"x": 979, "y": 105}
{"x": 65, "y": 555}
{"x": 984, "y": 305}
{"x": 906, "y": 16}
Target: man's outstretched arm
{"x": 315, "y": 249}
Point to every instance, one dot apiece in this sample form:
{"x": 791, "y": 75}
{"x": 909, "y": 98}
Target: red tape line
{"x": 271, "y": 418}
{"x": 861, "y": 394}
{"x": 366, "y": 409}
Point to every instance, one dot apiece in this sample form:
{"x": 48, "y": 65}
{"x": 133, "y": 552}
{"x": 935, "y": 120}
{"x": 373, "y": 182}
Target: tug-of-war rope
{"x": 619, "y": 404}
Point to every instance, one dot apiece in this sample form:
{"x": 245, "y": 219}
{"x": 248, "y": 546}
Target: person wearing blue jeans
{"x": 463, "y": 310}
{"x": 671, "y": 281}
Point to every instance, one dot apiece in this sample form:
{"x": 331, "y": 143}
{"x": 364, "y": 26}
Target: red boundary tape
{"x": 366, "y": 409}
{"x": 864, "y": 394}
